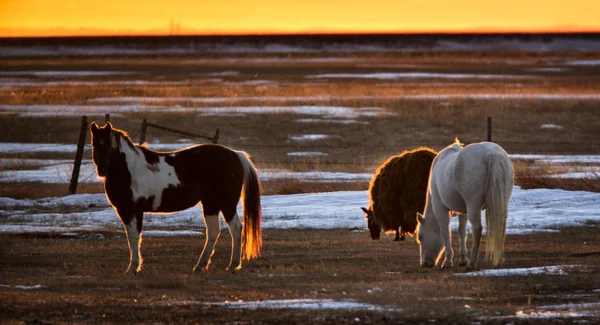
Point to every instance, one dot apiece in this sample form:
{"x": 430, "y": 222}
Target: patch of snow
{"x": 312, "y": 304}
{"x": 93, "y": 110}
{"x": 66, "y": 73}
{"x": 584, "y": 63}
{"x": 223, "y": 74}
{"x": 412, "y": 75}
{"x": 558, "y": 159}
{"x": 529, "y": 211}
{"x": 551, "y": 126}
{"x": 551, "y": 270}
{"x": 307, "y": 154}
{"x": 34, "y": 287}
{"x": 309, "y": 137}
{"x": 330, "y": 121}
{"x": 171, "y": 233}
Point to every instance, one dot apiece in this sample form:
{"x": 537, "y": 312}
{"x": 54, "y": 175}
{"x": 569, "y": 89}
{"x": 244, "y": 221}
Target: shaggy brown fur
{"x": 398, "y": 191}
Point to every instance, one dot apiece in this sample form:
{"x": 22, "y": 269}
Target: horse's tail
{"x": 500, "y": 183}
{"x": 252, "y": 212}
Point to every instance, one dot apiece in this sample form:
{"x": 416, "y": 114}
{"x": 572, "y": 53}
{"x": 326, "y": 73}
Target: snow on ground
{"x": 99, "y": 110}
{"x": 558, "y": 159}
{"x": 584, "y": 63}
{"x": 313, "y": 304}
{"x": 529, "y": 211}
{"x": 60, "y": 172}
{"x": 46, "y": 73}
{"x": 413, "y": 75}
{"x": 307, "y": 154}
{"x": 330, "y": 121}
{"x": 308, "y": 137}
{"x": 551, "y": 126}
{"x": 553, "y": 270}
{"x": 12, "y": 82}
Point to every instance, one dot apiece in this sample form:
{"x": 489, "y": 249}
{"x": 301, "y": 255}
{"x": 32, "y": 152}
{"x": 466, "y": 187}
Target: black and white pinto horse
{"x": 138, "y": 180}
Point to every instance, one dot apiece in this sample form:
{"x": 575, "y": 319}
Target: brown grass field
{"x": 83, "y": 276}
{"x": 84, "y": 281}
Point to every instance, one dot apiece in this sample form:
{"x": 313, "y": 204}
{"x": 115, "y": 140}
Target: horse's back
{"x": 472, "y": 170}
{"x": 207, "y": 160}
{"x": 208, "y": 173}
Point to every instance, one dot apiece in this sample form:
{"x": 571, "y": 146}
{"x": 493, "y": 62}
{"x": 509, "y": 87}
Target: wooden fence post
{"x": 143, "y": 132}
{"x": 106, "y": 118}
{"x": 78, "y": 156}
{"x": 489, "y": 129}
{"x": 215, "y": 139}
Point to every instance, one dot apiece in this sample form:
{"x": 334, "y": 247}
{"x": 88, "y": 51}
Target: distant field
{"x": 334, "y": 112}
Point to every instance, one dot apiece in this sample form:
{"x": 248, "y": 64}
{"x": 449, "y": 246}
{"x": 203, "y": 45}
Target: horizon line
{"x": 73, "y": 33}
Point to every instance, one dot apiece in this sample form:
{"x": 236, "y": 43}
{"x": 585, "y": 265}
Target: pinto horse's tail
{"x": 500, "y": 184}
{"x": 252, "y": 212}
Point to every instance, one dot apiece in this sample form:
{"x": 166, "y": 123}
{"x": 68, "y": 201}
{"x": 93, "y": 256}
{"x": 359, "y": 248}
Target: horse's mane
{"x": 457, "y": 144}
{"x": 121, "y": 134}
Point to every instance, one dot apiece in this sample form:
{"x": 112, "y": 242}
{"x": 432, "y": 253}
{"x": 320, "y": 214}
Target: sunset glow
{"x": 185, "y": 17}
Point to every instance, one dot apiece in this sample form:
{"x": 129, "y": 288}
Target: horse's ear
{"x": 420, "y": 217}
{"x": 108, "y": 126}
{"x": 94, "y": 127}
{"x": 365, "y": 210}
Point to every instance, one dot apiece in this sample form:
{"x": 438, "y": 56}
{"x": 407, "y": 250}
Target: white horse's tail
{"x": 500, "y": 184}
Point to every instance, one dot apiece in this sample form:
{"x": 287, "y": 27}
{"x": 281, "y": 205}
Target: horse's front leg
{"x": 443, "y": 215}
{"x": 213, "y": 231}
{"x": 474, "y": 216}
{"x": 133, "y": 228}
{"x": 462, "y": 239}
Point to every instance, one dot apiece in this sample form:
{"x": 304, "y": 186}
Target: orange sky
{"x": 143, "y": 17}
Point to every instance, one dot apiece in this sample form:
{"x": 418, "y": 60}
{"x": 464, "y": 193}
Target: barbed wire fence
{"x": 142, "y": 132}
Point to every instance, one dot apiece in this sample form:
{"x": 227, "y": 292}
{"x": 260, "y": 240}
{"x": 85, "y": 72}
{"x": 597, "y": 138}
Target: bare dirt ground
{"x": 83, "y": 281}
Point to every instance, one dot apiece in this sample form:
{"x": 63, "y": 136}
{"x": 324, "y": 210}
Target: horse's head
{"x": 102, "y": 145}
{"x": 430, "y": 241}
{"x": 374, "y": 228}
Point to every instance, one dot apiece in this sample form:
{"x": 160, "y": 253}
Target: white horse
{"x": 466, "y": 180}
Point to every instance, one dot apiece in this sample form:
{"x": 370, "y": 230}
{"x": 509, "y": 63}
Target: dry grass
{"x": 84, "y": 280}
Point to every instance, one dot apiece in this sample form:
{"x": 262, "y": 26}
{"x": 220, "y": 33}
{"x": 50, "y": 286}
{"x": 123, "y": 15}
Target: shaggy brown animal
{"x": 398, "y": 191}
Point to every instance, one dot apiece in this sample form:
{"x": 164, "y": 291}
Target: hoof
{"x": 447, "y": 265}
{"x": 463, "y": 262}
{"x": 470, "y": 267}
{"x": 233, "y": 269}
{"x": 133, "y": 270}
{"x": 200, "y": 269}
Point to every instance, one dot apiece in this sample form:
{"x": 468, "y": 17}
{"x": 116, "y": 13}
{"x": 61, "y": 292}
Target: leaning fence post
{"x": 489, "y": 129}
{"x": 215, "y": 139}
{"x": 143, "y": 132}
{"x": 78, "y": 156}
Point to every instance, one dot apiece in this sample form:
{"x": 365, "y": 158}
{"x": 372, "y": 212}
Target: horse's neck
{"x": 133, "y": 155}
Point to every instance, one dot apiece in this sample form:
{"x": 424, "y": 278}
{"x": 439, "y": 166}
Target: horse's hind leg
{"x": 462, "y": 239}
{"x": 474, "y": 216}
{"x": 235, "y": 228}
{"x": 213, "y": 230}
